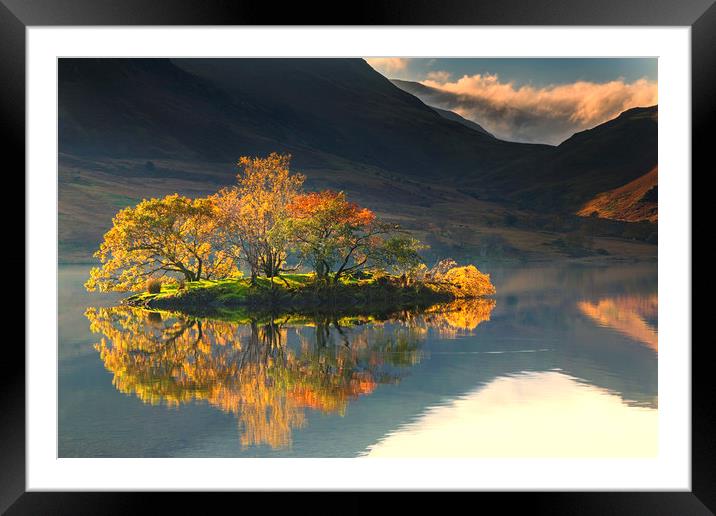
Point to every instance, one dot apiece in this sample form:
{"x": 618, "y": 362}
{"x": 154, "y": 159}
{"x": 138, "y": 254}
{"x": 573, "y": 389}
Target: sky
{"x": 534, "y": 100}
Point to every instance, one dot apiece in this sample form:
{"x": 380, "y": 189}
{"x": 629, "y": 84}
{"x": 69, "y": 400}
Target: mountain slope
{"x": 590, "y": 162}
{"x": 564, "y": 177}
{"x": 219, "y": 109}
{"x": 634, "y": 202}
{"x": 451, "y": 115}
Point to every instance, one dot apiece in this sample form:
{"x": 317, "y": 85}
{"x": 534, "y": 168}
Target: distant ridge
{"x": 451, "y": 115}
{"x": 597, "y": 160}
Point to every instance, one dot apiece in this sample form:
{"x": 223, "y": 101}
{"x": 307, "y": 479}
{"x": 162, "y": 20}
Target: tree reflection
{"x": 267, "y": 372}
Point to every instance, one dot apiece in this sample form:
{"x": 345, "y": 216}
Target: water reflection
{"x": 588, "y": 395}
{"x": 542, "y": 377}
{"x": 267, "y": 372}
{"x": 629, "y": 315}
{"x": 541, "y": 414}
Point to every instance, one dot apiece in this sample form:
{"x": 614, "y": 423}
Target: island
{"x": 265, "y": 244}
{"x": 372, "y": 291}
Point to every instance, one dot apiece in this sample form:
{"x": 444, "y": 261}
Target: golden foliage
{"x": 159, "y": 237}
{"x": 259, "y": 222}
{"x": 332, "y": 207}
{"x": 250, "y": 214}
{"x": 465, "y": 282}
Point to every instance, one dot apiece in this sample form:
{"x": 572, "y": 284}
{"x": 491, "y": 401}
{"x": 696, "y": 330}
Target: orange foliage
{"x": 327, "y": 202}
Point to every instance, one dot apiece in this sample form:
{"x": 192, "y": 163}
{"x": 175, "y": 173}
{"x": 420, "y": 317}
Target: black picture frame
{"x": 17, "y": 15}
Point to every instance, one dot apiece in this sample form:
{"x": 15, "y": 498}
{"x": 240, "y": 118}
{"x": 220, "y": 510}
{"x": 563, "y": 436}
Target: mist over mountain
{"x": 529, "y": 113}
{"x": 451, "y": 115}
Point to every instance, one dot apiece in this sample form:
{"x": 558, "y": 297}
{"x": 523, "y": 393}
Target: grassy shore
{"x": 298, "y": 292}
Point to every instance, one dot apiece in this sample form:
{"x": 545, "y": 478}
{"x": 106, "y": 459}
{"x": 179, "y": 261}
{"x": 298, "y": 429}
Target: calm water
{"x": 563, "y": 362}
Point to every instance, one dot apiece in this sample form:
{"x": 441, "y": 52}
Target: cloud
{"x": 438, "y": 76}
{"x": 388, "y": 65}
{"x": 526, "y": 113}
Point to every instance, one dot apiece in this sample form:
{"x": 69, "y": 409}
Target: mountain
{"x": 434, "y": 96}
{"x": 134, "y": 128}
{"x": 605, "y": 157}
{"x": 451, "y": 115}
{"x": 634, "y": 202}
{"x": 564, "y": 177}
{"x": 220, "y": 109}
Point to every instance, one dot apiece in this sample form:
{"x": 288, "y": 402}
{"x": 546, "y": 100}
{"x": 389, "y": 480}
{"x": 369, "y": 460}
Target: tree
{"x": 234, "y": 229}
{"x": 401, "y": 254}
{"x": 159, "y": 237}
{"x": 467, "y": 282}
{"x": 338, "y": 237}
{"x": 251, "y": 212}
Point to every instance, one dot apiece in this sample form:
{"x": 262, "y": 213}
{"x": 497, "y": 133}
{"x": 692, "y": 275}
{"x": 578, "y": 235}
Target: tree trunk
{"x": 198, "y": 271}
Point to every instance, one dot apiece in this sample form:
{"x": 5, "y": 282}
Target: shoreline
{"x": 238, "y": 296}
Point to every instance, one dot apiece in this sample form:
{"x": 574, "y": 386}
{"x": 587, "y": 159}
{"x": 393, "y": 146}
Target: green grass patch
{"x": 238, "y": 299}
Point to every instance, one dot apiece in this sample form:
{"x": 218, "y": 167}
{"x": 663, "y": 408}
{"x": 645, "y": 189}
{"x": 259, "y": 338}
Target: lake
{"x": 561, "y": 362}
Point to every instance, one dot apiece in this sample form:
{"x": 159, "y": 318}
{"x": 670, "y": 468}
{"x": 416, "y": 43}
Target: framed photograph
{"x": 424, "y": 248}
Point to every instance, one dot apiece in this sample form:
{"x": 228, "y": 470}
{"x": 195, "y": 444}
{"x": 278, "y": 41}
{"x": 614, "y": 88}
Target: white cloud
{"x": 388, "y": 65}
{"x": 438, "y": 76}
{"x": 548, "y": 114}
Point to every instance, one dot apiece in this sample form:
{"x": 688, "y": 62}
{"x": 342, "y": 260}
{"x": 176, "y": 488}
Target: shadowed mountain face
{"x": 451, "y": 115}
{"x": 220, "y": 109}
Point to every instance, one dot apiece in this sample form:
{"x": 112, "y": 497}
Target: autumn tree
{"x": 250, "y": 213}
{"x": 337, "y": 237}
{"x": 172, "y": 236}
{"x": 401, "y": 254}
{"x": 464, "y": 282}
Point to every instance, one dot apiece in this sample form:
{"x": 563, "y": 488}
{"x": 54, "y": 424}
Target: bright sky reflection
{"x": 545, "y": 414}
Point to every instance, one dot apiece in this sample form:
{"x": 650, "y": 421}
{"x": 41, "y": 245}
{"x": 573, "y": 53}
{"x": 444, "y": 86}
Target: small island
{"x": 372, "y": 291}
{"x": 303, "y": 251}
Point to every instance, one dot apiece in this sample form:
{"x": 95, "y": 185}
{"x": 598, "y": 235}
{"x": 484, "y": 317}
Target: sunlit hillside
{"x": 634, "y": 202}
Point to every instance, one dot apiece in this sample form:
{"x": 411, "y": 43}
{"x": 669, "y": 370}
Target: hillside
{"x": 590, "y": 162}
{"x": 451, "y": 115}
{"x": 634, "y": 202}
{"x": 564, "y": 177}
{"x": 219, "y": 109}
